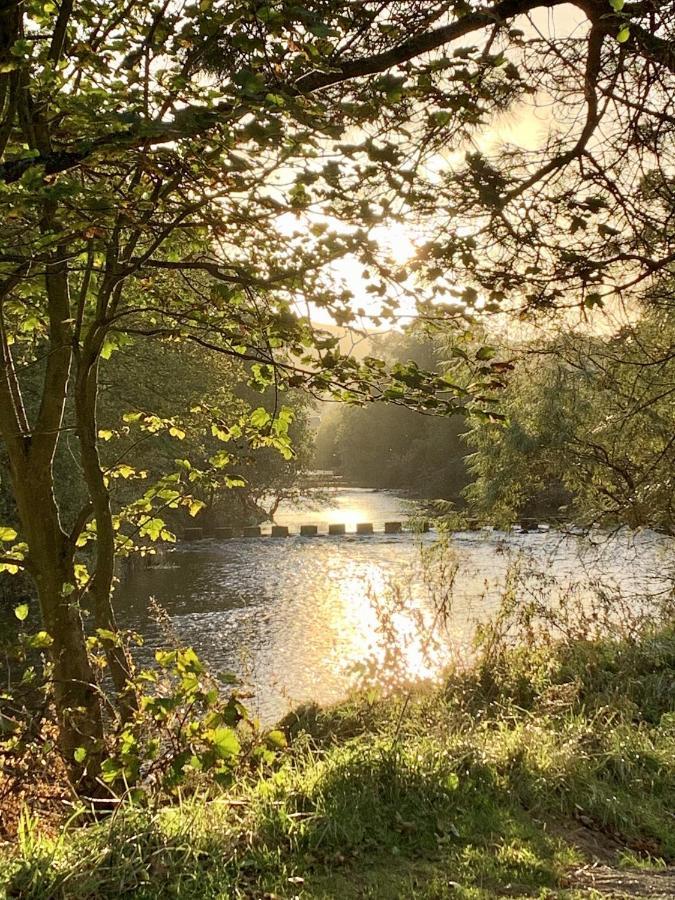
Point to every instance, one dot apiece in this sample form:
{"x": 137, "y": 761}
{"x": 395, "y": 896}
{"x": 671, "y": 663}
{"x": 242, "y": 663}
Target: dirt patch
{"x": 594, "y": 845}
{"x": 602, "y": 848}
{"x": 622, "y": 883}
{"x": 43, "y": 793}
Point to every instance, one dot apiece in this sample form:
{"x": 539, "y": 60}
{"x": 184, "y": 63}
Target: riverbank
{"x": 545, "y": 771}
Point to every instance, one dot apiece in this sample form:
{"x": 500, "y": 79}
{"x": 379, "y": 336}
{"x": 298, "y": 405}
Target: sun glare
{"x": 398, "y": 243}
{"x": 388, "y": 638}
{"x": 397, "y": 240}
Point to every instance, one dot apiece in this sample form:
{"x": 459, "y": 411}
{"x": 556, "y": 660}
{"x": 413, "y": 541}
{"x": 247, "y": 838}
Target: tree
{"x": 590, "y": 428}
{"x": 199, "y": 391}
{"x": 149, "y": 151}
{"x": 392, "y": 447}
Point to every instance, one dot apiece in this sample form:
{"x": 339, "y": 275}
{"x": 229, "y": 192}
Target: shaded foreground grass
{"x": 505, "y": 782}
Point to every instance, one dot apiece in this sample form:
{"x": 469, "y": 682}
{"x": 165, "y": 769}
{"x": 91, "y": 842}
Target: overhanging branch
{"x": 195, "y": 120}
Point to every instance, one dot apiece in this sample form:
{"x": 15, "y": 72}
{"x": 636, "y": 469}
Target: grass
{"x": 501, "y": 783}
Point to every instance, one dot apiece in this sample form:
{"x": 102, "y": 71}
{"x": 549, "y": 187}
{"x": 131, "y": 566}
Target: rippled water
{"x": 303, "y": 619}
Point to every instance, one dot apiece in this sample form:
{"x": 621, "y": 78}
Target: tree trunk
{"x": 119, "y": 662}
{"x": 51, "y": 567}
{"x": 75, "y": 691}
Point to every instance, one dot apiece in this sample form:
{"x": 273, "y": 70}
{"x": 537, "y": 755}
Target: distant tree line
{"x": 589, "y": 433}
{"x": 585, "y": 432}
{"x": 388, "y": 446}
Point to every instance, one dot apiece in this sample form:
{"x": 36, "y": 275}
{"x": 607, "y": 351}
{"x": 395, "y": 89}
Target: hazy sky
{"x": 527, "y": 125}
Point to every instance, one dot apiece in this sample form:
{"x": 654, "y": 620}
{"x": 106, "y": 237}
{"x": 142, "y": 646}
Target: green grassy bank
{"x": 505, "y": 782}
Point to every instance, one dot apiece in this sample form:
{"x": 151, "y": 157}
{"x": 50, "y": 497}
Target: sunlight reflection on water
{"x": 305, "y": 619}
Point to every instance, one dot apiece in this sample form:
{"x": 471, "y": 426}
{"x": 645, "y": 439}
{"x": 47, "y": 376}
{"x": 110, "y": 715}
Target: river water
{"x": 307, "y": 619}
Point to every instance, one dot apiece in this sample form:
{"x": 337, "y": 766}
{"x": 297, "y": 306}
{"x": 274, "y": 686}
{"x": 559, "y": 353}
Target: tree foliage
{"x": 392, "y": 447}
{"x": 590, "y": 431}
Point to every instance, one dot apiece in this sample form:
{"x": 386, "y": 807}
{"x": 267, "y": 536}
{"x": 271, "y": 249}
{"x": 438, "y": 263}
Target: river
{"x": 303, "y": 619}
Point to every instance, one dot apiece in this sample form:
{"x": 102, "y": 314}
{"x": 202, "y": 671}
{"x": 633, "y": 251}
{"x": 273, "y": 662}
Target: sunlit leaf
{"x": 276, "y": 739}
{"x": 41, "y": 640}
{"x": 225, "y": 742}
{"x": 452, "y": 781}
{"x": 21, "y": 612}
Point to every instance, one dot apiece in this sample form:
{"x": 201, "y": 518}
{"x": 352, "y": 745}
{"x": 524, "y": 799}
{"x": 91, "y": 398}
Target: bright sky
{"x": 526, "y": 126}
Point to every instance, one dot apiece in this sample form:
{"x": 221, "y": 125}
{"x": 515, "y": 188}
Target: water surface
{"x": 306, "y": 619}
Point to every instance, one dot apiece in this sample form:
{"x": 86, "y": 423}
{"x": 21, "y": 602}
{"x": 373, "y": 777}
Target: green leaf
{"x": 617, "y": 5}
{"x": 441, "y": 117}
{"x": 109, "y": 347}
{"x": 260, "y": 417}
{"x": 105, "y": 634}
{"x": 221, "y": 434}
{"x": 21, "y": 612}
{"x": 166, "y": 657}
{"x": 195, "y": 507}
{"x": 124, "y": 471}
{"x": 225, "y": 742}
{"x": 188, "y": 660}
{"x": 623, "y": 35}
{"x": 275, "y": 99}
{"x": 152, "y": 528}
{"x": 40, "y": 641}
{"x": 80, "y": 754}
{"x": 220, "y": 460}
{"x": 7, "y": 534}
{"x": 250, "y": 82}
{"x": 110, "y": 770}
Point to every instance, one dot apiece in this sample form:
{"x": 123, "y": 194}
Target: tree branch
{"x": 195, "y": 120}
